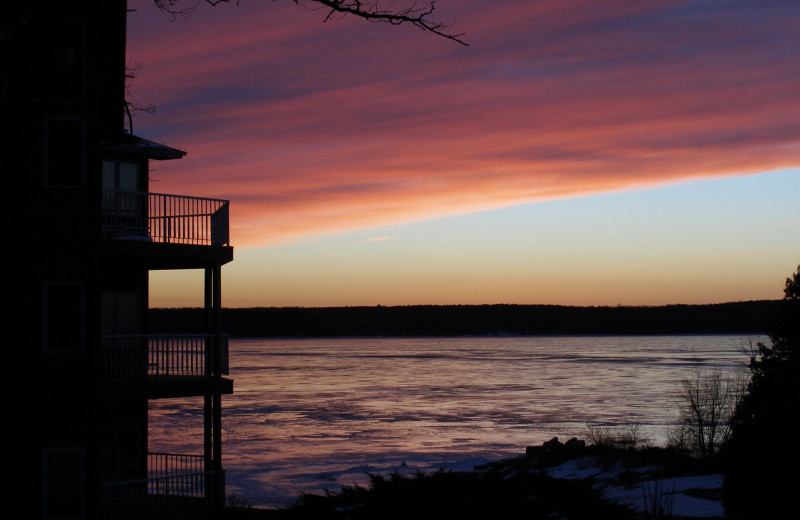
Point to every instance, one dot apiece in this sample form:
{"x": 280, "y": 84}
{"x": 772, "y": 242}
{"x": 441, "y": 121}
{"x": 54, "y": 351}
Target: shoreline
{"x": 740, "y": 318}
{"x": 628, "y": 477}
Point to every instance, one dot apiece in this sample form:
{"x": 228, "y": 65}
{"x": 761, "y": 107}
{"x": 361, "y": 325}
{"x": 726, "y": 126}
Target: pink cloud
{"x": 311, "y": 127}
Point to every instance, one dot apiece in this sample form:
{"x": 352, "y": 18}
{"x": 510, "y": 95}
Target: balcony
{"x": 137, "y": 357}
{"x": 165, "y": 219}
{"x": 177, "y": 486}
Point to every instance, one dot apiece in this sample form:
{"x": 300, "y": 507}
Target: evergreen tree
{"x": 762, "y": 457}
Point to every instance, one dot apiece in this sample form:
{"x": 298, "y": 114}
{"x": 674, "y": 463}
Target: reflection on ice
{"x": 313, "y": 414}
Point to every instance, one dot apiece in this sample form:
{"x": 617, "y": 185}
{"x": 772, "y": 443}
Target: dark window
{"x": 68, "y": 62}
{"x": 121, "y": 175}
{"x": 124, "y": 208}
{"x": 63, "y": 317}
{"x": 63, "y": 483}
{"x": 51, "y": 63}
{"x": 120, "y": 312}
{"x": 121, "y": 456}
{"x": 64, "y": 152}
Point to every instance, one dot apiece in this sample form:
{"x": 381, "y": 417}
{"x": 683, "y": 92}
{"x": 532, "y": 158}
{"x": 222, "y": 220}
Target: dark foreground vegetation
{"x": 461, "y": 495}
{"x": 761, "y": 477}
{"x": 457, "y": 320}
{"x": 513, "y": 488}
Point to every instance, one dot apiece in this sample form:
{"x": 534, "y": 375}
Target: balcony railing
{"x": 139, "y": 356}
{"x": 161, "y": 465}
{"x": 168, "y": 219}
{"x": 177, "y": 486}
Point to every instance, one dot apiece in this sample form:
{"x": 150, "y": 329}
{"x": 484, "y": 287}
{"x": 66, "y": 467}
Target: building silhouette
{"x": 85, "y": 232}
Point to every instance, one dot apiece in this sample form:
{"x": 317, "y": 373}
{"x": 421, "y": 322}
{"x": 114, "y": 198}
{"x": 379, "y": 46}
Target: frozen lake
{"x": 314, "y": 413}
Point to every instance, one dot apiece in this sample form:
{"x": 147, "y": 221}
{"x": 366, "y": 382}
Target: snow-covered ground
{"x": 677, "y": 495}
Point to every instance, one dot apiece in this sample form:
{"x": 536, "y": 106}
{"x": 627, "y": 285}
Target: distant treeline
{"x": 752, "y": 317}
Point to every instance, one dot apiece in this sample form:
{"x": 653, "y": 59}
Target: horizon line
{"x": 376, "y": 306}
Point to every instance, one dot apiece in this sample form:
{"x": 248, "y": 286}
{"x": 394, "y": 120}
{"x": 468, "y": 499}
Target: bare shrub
{"x": 633, "y": 434}
{"x": 705, "y": 401}
{"x": 598, "y": 435}
{"x": 237, "y": 501}
{"x": 658, "y": 500}
{"x": 627, "y": 435}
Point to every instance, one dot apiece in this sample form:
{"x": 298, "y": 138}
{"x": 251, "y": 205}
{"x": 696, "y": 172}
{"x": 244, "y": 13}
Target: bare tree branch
{"x": 416, "y": 13}
{"x": 130, "y": 107}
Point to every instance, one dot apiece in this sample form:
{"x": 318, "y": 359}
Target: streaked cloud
{"x": 310, "y": 128}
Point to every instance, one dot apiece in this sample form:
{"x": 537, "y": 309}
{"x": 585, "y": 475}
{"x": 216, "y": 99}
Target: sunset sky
{"x": 576, "y": 152}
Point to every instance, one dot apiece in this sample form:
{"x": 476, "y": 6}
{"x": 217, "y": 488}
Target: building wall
{"x": 61, "y": 96}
